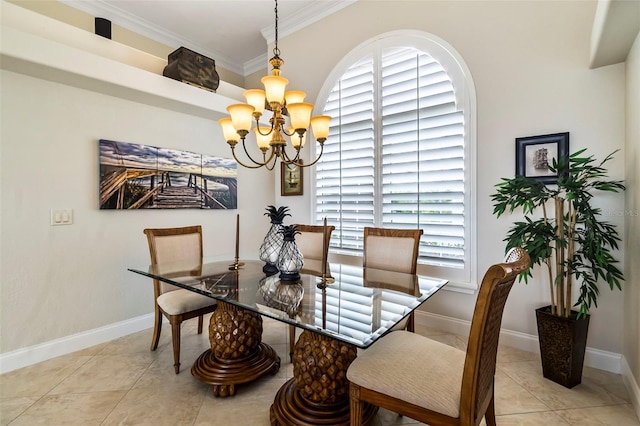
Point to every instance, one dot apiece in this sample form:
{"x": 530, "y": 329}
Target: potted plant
{"x": 563, "y": 231}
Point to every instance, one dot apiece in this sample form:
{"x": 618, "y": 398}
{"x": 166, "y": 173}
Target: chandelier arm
{"x": 244, "y": 146}
{"x": 258, "y": 129}
{"x": 289, "y": 160}
{"x": 273, "y": 166}
{"x": 248, "y": 166}
{"x": 314, "y": 161}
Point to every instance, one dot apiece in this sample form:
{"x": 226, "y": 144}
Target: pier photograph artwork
{"x": 134, "y": 176}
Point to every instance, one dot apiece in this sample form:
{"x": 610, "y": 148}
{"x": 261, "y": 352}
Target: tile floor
{"x": 122, "y": 383}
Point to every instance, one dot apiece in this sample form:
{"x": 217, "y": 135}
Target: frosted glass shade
{"x": 295, "y": 138}
{"x": 274, "y": 87}
{"x": 262, "y": 140}
{"x": 255, "y": 98}
{"x": 228, "y": 130}
{"x": 320, "y": 126}
{"x": 241, "y": 116}
{"x": 300, "y": 114}
{"x": 294, "y": 96}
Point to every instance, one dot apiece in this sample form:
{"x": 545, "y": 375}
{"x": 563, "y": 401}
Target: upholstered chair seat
{"x": 180, "y": 301}
{"x": 435, "y": 385}
{"x": 429, "y": 381}
{"x": 181, "y": 247}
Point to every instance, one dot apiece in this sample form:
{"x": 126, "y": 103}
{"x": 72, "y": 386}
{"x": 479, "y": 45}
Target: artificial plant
{"x": 570, "y": 238}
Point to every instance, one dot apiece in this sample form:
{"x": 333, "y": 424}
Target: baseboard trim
{"x": 631, "y": 385}
{"x": 41, "y": 352}
{"x": 596, "y": 358}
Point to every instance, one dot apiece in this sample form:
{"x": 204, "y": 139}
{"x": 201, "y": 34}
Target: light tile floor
{"x": 122, "y": 383}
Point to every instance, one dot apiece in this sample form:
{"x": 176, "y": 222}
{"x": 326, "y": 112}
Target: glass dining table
{"x": 338, "y": 315}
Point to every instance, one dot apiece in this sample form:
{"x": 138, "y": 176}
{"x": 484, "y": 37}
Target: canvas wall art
{"x": 134, "y": 176}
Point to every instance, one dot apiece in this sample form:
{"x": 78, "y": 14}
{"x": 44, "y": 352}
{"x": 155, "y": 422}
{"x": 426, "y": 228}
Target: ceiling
{"x": 233, "y": 32}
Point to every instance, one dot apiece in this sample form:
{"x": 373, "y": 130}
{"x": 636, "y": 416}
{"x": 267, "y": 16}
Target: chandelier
{"x": 271, "y": 139}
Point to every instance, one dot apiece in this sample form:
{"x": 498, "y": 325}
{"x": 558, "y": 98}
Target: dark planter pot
{"x": 563, "y": 342}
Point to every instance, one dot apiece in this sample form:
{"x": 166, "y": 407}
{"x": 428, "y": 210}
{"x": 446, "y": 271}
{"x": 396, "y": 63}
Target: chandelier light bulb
{"x": 294, "y": 96}
{"x": 320, "y": 126}
{"x": 255, "y": 98}
{"x": 295, "y": 138}
{"x": 228, "y": 130}
{"x": 263, "y": 137}
{"x": 300, "y": 115}
{"x": 274, "y": 88}
{"x": 241, "y": 116}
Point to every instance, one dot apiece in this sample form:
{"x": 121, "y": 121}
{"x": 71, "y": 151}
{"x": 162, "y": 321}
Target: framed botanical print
{"x": 290, "y": 179}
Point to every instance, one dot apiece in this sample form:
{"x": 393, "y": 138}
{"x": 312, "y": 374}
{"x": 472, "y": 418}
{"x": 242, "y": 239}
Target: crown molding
{"x": 293, "y": 23}
{"x": 149, "y": 30}
{"x": 313, "y": 13}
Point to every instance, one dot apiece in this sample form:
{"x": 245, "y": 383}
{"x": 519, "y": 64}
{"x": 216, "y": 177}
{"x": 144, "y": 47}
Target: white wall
{"x": 58, "y": 281}
{"x": 530, "y": 63}
{"x": 632, "y": 217}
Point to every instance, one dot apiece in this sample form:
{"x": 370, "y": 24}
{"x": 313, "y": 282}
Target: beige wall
{"x": 632, "y": 214}
{"x": 529, "y": 61}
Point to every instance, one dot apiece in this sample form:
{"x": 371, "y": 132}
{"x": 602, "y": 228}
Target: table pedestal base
{"x": 290, "y": 409}
{"x": 237, "y": 354}
{"x": 224, "y": 375}
{"x": 318, "y": 394}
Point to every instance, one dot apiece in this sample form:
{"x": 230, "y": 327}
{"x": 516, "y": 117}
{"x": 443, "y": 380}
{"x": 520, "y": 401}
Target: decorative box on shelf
{"x": 192, "y": 68}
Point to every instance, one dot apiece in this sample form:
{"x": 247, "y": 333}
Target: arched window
{"x": 401, "y": 150}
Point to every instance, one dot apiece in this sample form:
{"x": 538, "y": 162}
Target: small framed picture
{"x": 534, "y": 155}
{"x": 290, "y": 179}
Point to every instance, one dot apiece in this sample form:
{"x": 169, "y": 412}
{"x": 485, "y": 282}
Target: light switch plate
{"x": 61, "y": 217}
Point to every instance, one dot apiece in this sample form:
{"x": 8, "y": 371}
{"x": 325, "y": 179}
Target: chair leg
{"x": 411, "y": 324}
{"x": 200, "y": 321}
{"x": 175, "y": 337}
{"x": 490, "y": 414}
{"x": 355, "y": 405}
{"x": 292, "y": 341}
{"x": 157, "y": 328}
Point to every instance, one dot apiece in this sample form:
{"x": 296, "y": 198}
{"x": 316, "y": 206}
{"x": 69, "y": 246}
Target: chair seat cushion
{"x": 180, "y": 301}
{"x": 414, "y": 369}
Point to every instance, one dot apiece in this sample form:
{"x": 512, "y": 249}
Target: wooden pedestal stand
{"x": 237, "y": 354}
{"x": 319, "y": 392}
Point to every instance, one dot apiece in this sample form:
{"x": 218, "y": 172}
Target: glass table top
{"x": 361, "y": 305}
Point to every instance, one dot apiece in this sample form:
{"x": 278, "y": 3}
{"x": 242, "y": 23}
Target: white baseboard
{"x": 596, "y": 358}
{"x": 631, "y": 385}
{"x": 41, "y": 352}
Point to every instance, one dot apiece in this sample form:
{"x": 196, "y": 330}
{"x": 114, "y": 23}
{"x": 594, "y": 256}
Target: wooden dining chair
{"x": 393, "y": 250}
{"x": 432, "y": 382}
{"x": 309, "y": 242}
{"x": 168, "y": 245}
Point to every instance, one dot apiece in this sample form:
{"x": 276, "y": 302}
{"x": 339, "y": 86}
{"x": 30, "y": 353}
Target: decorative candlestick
{"x": 236, "y": 264}
{"x": 325, "y": 279}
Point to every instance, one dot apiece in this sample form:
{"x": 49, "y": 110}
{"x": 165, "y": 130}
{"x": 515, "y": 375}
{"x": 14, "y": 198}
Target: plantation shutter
{"x": 422, "y": 154}
{"x": 395, "y": 155}
{"x": 345, "y": 173}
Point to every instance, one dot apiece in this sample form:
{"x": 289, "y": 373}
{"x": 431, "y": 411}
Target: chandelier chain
{"x": 276, "y": 51}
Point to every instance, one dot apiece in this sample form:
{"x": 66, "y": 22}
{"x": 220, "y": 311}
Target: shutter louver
{"x": 411, "y": 107}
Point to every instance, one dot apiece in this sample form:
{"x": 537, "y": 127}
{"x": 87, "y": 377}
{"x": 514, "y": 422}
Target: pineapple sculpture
{"x": 272, "y": 243}
{"x": 290, "y": 259}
